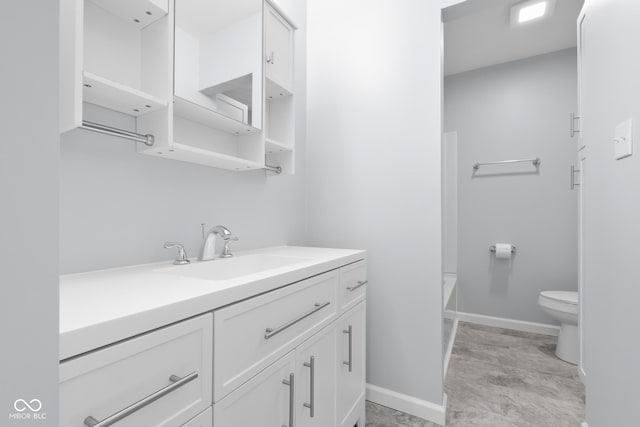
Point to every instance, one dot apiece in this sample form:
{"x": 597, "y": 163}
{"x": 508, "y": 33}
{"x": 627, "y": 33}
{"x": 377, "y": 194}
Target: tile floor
{"x": 501, "y": 378}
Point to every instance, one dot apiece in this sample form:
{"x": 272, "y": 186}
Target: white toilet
{"x": 563, "y": 306}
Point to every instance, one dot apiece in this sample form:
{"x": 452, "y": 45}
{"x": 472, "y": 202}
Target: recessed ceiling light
{"x": 530, "y": 11}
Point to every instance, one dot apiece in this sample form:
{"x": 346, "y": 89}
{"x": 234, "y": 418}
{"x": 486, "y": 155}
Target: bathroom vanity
{"x": 274, "y": 337}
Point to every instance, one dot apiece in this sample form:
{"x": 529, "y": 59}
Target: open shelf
{"x": 118, "y": 97}
{"x": 272, "y": 146}
{"x": 191, "y": 154}
{"x": 138, "y": 13}
{"x": 204, "y": 116}
{"x": 274, "y": 91}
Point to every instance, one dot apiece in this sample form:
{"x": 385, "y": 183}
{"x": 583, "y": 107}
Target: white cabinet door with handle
{"x": 268, "y": 399}
{"x": 315, "y": 385}
{"x": 350, "y": 376}
{"x": 278, "y": 49}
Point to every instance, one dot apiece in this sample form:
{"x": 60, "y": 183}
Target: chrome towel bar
{"x": 274, "y": 169}
{"x": 108, "y": 130}
{"x": 536, "y": 162}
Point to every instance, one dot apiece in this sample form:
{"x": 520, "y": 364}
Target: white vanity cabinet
{"x": 162, "y": 378}
{"x": 284, "y": 347}
{"x": 294, "y": 354}
{"x": 351, "y": 364}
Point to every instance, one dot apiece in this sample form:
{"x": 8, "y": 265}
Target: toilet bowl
{"x": 563, "y": 306}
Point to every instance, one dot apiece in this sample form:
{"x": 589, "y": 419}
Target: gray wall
{"x": 29, "y": 213}
{"x": 513, "y": 111}
{"x": 611, "y": 94}
{"x": 373, "y": 159}
{"x": 118, "y": 207}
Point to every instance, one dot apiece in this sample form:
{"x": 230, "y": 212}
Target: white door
{"x": 265, "y": 400}
{"x": 279, "y": 49}
{"x": 582, "y": 165}
{"x": 316, "y": 380}
{"x": 350, "y": 365}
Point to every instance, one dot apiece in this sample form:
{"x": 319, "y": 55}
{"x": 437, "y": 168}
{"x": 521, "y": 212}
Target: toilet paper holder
{"x": 492, "y": 248}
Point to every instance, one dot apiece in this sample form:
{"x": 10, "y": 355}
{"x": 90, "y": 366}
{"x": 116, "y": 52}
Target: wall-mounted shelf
{"x": 274, "y": 91}
{"x": 206, "y": 117}
{"x": 115, "y": 96}
{"x": 139, "y": 13}
{"x": 191, "y": 154}
{"x": 273, "y": 146}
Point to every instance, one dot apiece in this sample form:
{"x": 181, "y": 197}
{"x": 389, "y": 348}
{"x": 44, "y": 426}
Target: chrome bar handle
{"x": 177, "y": 382}
{"x": 292, "y": 395}
{"x": 360, "y": 283}
{"x": 573, "y": 177}
{"x": 270, "y": 332}
{"x": 312, "y": 386}
{"x": 349, "y": 362}
{"x": 572, "y": 125}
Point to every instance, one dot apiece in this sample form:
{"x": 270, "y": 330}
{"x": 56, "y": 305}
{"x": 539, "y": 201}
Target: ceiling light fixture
{"x": 531, "y": 11}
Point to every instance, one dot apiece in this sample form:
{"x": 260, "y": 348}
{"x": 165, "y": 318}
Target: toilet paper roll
{"x": 503, "y": 250}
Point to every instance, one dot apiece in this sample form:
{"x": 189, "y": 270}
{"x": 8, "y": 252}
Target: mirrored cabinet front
{"x": 208, "y": 81}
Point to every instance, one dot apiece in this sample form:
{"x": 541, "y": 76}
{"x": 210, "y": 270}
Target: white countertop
{"x": 102, "y": 307}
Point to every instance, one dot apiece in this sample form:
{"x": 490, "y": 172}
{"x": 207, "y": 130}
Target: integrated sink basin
{"x": 230, "y": 268}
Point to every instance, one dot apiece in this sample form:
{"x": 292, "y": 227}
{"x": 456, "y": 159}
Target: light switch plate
{"x": 623, "y": 140}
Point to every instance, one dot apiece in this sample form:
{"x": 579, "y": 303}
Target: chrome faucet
{"x": 182, "y": 258}
{"x": 209, "y": 244}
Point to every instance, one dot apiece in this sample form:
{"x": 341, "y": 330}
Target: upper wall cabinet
{"x": 208, "y": 81}
{"x": 115, "y": 54}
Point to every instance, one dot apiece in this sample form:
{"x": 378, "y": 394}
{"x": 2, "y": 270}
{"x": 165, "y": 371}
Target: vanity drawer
{"x": 353, "y": 284}
{"x": 252, "y": 334}
{"x": 172, "y": 364}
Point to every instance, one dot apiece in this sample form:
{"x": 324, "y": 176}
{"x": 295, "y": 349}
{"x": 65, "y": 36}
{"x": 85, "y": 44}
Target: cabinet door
{"x": 263, "y": 401}
{"x": 581, "y": 75}
{"x": 350, "y": 379}
{"x": 205, "y": 419}
{"x": 279, "y": 49}
{"x": 316, "y": 380}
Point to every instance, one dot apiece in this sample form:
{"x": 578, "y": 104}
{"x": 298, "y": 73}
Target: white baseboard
{"x": 452, "y": 339}
{"x": 518, "y": 325}
{"x": 584, "y": 424}
{"x": 401, "y": 402}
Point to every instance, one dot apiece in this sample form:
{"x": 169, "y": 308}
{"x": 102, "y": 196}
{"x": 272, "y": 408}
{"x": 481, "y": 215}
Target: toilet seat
{"x": 566, "y": 302}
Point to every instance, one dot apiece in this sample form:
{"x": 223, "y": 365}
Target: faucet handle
{"x": 226, "y": 252}
{"x": 181, "y": 259}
